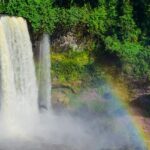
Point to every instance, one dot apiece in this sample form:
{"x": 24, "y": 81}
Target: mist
{"x": 76, "y": 129}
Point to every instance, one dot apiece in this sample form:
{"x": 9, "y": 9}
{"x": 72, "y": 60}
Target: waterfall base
{"x": 71, "y": 132}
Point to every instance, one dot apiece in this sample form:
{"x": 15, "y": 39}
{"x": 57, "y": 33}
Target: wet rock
{"x": 60, "y": 97}
{"x": 65, "y": 86}
{"x": 66, "y": 42}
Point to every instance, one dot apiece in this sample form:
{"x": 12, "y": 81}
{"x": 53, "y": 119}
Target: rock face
{"x": 66, "y": 42}
{"x": 60, "y": 98}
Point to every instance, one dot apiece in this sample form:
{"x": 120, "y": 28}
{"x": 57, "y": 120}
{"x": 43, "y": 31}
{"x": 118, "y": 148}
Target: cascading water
{"x": 18, "y": 86}
{"x": 44, "y": 73}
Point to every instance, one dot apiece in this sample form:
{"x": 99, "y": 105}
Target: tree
{"x": 127, "y": 28}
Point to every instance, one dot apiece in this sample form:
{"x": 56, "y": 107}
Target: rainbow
{"x": 121, "y": 96}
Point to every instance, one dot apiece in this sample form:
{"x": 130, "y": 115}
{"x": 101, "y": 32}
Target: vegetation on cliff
{"x": 117, "y": 28}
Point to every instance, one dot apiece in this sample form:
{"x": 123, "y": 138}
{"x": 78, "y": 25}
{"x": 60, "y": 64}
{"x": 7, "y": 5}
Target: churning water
{"x": 23, "y": 126}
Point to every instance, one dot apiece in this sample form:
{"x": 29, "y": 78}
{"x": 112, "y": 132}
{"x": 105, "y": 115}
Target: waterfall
{"x": 18, "y": 87}
{"x": 44, "y": 73}
{"x": 22, "y": 94}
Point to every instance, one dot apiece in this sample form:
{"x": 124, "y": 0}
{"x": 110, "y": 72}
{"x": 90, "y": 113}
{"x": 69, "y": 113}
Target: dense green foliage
{"x": 119, "y": 27}
{"x": 39, "y": 13}
{"x": 69, "y": 66}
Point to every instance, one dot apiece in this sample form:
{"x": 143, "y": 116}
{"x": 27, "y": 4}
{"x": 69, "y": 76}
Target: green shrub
{"x": 96, "y": 21}
{"x": 70, "y": 17}
{"x": 141, "y": 65}
{"x": 124, "y": 49}
{"x": 69, "y": 66}
{"x": 39, "y": 13}
{"x": 134, "y": 57}
{"x": 2, "y": 8}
